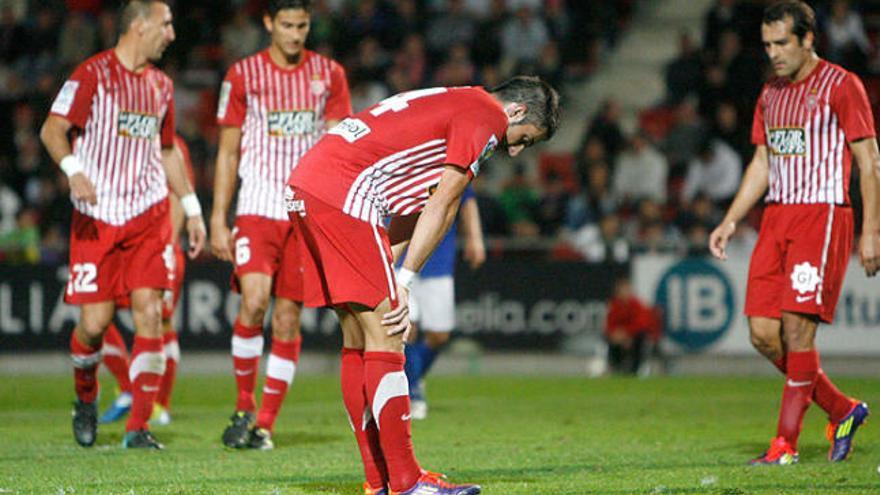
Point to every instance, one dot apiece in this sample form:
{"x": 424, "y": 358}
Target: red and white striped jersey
{"x": 123, "y": 120}
{"x": 387, "y": 159}
{"x": 806, "y": 127}
{"x": 282, "y": 113}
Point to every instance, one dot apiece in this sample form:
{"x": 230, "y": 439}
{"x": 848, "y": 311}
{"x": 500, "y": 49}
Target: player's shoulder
{"x": 97, "y": 62}
{"x": 319, "y": 60}
{"x": 240, "y": 66}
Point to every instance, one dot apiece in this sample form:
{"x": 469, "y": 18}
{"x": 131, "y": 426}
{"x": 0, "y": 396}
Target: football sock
{"x": 354, "y": 396}
{"x": 280, "y": 370}
{"x": 247, "y": 347}
{"x": 85, "y": 369}
{"x": 803, "y": 369}
{"x": 172, "y": 359}
{"x": 145, "y": 373}
{"x": 826, "y": 395}
{"x": 114, "y": 355}
{"x": 388, "y": 391}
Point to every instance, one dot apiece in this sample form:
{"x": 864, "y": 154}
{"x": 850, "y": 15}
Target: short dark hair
{"x": 276, "y": 6}
{"x": 134, "y": 9}
{"x": 540, "y": 99}
{"x": 802, "y": 15}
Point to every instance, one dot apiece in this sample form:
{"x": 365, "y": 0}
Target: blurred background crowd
{"x": 657, "y": 186}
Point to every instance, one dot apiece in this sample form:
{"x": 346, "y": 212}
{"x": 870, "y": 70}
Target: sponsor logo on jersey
{"x": 65, "y": 98}
{"x": 137, "y": 125}
{"x": 787, "y": 141}
{"x": 805, "y": 278}
{"x": 291, "y": 123}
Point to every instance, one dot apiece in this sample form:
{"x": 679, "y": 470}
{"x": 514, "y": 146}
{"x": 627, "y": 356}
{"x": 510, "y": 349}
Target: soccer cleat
{"x": 841, "y": 434}
{"x": 779, "y": 453}
{"x": 435, "y": 484}
{"x": 160, "y": 416}
{"x": 370, "y": 491}
{"x": 260, "y": 439}
{"x": 85, "y": 423}
{"x": 120, "y": 407}
{"x": 236, "y": 435}
{"x": 140, "y": 439}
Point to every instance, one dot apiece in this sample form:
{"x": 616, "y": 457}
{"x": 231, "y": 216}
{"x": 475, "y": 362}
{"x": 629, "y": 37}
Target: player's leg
{"x": 280, "y": 369}
{"x": 162, "y": 409}
{"x": 354, "y": 396}
{"x": 114, "y": 355}
{"x": 147, "y": 365}
{"x": 247, "y": 348}
{"x": 802, "y": 368}
{"x": 85, "y": 352}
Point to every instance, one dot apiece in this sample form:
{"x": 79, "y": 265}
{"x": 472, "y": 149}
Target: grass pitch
{"x": 512, "y": 435}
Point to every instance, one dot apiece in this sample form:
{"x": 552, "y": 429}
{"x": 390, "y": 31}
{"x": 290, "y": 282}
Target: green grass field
{"x": 512, "y": 435}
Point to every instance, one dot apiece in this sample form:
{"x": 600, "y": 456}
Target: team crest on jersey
{"x": 812, "y": 100}
{"x": 137, "y": 125}
{"x": 805, "y": 278}
{"x": 487, "y": 152}
{"x": 318, "y": 86}
{"x": 291, "y": 123}
{"x": 787, "y": 141}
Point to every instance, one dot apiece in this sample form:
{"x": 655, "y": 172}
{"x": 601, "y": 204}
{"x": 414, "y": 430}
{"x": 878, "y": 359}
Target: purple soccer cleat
{"x": 435, "y": 484}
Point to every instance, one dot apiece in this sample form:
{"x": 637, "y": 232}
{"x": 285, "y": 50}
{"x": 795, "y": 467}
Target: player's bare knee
{"x": 254, "y": 306}
{"x": 798, "y": 331}
{"x": 91, "y": 330}
{"x": 148, "y": 320}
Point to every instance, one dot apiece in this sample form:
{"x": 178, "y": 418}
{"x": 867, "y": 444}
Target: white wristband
{"x": 191, "y": 206}
{"x": 405, "y": 277}
{"x": 71, "y": 165}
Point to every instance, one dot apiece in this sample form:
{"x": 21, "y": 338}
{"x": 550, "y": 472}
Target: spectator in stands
{"x": 725, "y": 15}
{"x": 592, "y": 152}
{"x": 452, "y": 27}
{"x": 632, "y": 329}
{"x": 595, "y": 201}
{"x": 107, "y": 29}
{"x": 714, "y": 172}
{"x": 606, "y": 126}
{"x": 683, "y": 141}
{"x": 641, "y": 172}
{"x": 601, "y": 242}
{"x": 648, "y": 232}
{"x": 240, "y": 37}
{"x": 457, "y": 69}
{"x": 519, "y": 199}
{"x": 12, "y": 36}
{"x": 553, "y": 204}
{"x": 684, "y": 72}
{"x": 848, "y": 44}
{"x": 487, "y": 46}
{"x": 522, "y": 38}
{"x": 22, "y": 244}
{"x": 728, "y": 128}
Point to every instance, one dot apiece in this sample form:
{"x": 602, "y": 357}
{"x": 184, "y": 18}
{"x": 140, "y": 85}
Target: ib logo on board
{"x": 698, "y": 303}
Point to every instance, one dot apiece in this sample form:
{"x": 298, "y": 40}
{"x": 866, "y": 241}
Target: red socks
{"x": 172, "y": 358}
{"x": 114, "y": 355}
{"x": 247, "y": 347}
{"x": 280, "y": 370}
{"x": 85, "y": 369}
{"x": 365, "y": 431}
{"x": 803, "y": 370}
{"x": 145, "y": 373}
{"x": 825, "y": 394}
{"x": 388, "y": 393}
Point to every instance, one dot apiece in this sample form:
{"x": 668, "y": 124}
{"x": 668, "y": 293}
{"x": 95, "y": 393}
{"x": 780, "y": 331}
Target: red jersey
{"x": 387, "y": 159}
{"x": 632, "y": 317}
{"x": 282, "y": 113}
{"x": 806, "y": 127}
{"x": 123, "y": 120}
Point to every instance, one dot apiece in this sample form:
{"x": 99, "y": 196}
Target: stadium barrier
{"x": 702, "y": 302}
{"x": 506, "y": 304}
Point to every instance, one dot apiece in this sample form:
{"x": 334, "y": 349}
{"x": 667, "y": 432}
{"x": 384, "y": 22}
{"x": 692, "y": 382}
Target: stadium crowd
{"x": 660, "y": 188}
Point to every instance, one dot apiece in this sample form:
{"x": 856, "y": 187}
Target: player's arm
{"x": 399, "y": 233}
{"x": 175, "y": 171}
{"x": 225, "y": 176}
{"x": 178, "y": 218}
{"x": 751, "y": 190}
{"x": 868, "y": 158}
{"x": 53, "y": 134}
{"x": 472, "y": 229}
{"x": 434, "y": 221}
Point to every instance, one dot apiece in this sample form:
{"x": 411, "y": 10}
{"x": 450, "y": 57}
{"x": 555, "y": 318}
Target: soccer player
{"x": 810, "y": 121}
{"x": 114, "y": 353}
{"x": 414, "y": 152}
{"x": 273, "y": 107}
{"x": 433, "y": 295}
{"x": 120, "y": 110}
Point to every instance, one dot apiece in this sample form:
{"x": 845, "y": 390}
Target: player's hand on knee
{"x": 195, "y": 227}
{"x": 718, "y": 239}
{"x": 83, "y": 189}
{"x": 869, "y": 253}
{"x": 397, "y": 319}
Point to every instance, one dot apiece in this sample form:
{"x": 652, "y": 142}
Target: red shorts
{"x": 172, "y": 296}
{"x": 109, "y": 261}
{"x": 800, "y": 260}
{"x": 263, "y": 245}
{"x": 345, "y": 260}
